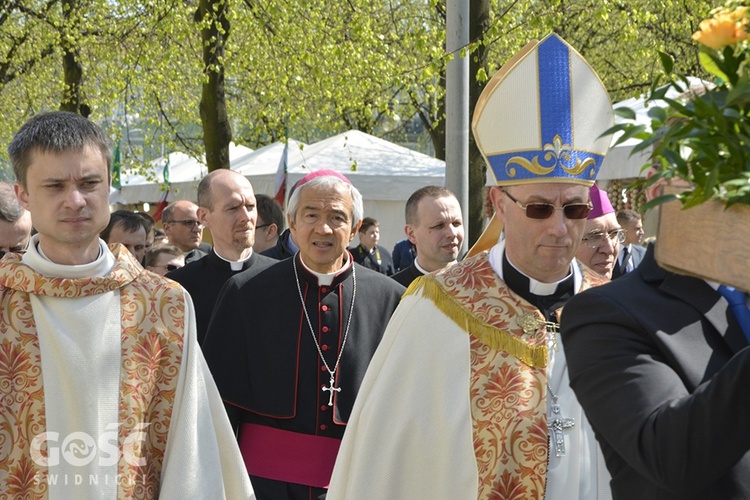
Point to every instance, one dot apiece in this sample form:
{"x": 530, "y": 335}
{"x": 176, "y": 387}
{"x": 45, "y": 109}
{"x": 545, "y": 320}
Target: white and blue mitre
{"x": 542, "y": 116}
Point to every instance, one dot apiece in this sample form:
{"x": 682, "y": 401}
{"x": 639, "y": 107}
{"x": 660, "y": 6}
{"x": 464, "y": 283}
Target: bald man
{"x": 226, "y": 206}
{"x": 15, "y": 221}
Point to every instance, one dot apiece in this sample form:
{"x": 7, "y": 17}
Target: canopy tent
{"x": 385, "y": 173}
{"x": 261, "y": 165}
{"x": 619, "y": 164}
{"x": 185, "y": 172}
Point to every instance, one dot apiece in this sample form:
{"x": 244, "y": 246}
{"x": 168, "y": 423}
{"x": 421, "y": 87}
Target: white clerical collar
{"x": 535, "y": 287}
{"x": 421, "y": 269}
{"x": 235, "y": 265}
{"x": 327, "y": 279}
{"x": 35, "y": 259}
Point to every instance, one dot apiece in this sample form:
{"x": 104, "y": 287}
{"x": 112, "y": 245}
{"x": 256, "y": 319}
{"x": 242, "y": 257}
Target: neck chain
{"x": 557, "y": 423}
{"x": 330, "y": 389}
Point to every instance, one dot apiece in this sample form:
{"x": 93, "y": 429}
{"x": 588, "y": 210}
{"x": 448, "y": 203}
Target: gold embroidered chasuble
{"x": 508, "y": 382}
{"x": 152, "y": 325}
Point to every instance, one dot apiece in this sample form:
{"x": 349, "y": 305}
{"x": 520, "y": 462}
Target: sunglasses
{"x": 545, "y": 210}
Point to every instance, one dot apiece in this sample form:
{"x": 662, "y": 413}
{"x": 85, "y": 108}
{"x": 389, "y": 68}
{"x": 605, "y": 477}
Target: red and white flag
{"x": 161, "y": 205}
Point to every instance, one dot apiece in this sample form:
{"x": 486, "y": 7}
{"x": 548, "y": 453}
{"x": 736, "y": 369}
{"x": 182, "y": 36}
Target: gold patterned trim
{"x": 497, "y": 339}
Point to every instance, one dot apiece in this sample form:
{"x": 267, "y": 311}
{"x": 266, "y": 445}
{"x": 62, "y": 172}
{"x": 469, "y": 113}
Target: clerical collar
{"x": 35, "y": 259}
{"x": 235, "y": 265}
{"x": 327, "y": 279}
{"x": 422, "y": 270}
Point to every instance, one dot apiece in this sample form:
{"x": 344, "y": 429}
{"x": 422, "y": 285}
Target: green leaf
{"x": 666, "y": 62}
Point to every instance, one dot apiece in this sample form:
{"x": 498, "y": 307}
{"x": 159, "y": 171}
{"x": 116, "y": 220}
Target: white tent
{"x": 261, "y": 165}
{"x": 385, "y": 173}
{"x": 619, "y": 164}
{"x": 185, "y": 172}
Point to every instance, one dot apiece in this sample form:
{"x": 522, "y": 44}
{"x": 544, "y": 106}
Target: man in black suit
{"x": 435, "y": 227}
{"x": 631, "y": 253}
{"x": 227, "y": 208}
{"x": 659, "y": 363}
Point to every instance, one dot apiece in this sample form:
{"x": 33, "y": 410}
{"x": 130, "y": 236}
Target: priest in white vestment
{"x": 105, "y": 393}
{"x": 467, "y": 395}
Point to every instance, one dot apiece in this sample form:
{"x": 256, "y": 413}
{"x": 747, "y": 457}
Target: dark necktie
{"x": 738, "y": 306}
{"x": 625, "y": 259}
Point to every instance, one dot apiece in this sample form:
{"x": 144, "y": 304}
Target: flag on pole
{"x": 281, "y": 175}
{"x": 162, "y": 203}
{"x": 117, "y": 168}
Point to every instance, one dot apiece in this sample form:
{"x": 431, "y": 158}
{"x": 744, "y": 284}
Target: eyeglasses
{"x": 169, "y": 267}
{"x": 545, "y": 210}
{"x": 594, "y": 240}
{"x": 189, "y": 223}
{"x": 261, "y": 226}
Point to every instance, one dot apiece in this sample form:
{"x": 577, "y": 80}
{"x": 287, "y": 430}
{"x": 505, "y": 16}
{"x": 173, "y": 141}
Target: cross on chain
{"x": 559, "y": 425}
{"x": 331, "y": 390}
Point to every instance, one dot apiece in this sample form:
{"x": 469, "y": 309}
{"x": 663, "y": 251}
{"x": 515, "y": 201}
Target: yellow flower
{"x": 725, "y": 28}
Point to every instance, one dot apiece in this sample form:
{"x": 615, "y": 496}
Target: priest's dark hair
{"x": 269, "y": 211}
{"x": 129, "y": 221}
{"x": 328, "y": 182}
{"x": 412, "y": 204}
{"x": 56, "y": 132}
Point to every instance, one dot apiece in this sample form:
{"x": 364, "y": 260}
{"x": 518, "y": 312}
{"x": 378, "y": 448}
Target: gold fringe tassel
{"x": 487, "y": 334}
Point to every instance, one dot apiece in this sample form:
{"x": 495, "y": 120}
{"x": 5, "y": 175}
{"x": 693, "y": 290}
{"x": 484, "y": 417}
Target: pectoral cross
{"x": 558, "y": 426}
{"x": 331, "y": 390}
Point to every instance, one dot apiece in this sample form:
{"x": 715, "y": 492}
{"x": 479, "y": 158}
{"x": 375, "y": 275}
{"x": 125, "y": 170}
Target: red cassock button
{"x": 323, "y": 368}
{"x": 324, "y": 347}
{"x": 323, "y": 289}
{"x": 323, "y": 427}
{"x": 325, "y": 329}
{"x": 325, "y": 308}
{"x": 323, "y": 407}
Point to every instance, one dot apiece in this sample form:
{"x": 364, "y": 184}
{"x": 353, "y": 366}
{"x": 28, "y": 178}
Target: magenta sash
{"x": 288, "y": 456}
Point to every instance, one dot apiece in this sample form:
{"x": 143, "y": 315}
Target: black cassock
{"x": 263, "y": 358}
{"x": 204, "y": 279}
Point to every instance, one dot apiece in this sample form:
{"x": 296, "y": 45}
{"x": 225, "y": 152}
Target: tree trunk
{"x": 217, "y": 131}
{"x": 479, "y": 15}
{"x": 72, "y": 70}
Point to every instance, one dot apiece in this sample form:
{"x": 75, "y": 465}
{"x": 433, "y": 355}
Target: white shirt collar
{"x": 235, "y": 265}
{"x": 327, "y": 279}
{"x": 536, "y": 287}
{"x": 35, "y": 259}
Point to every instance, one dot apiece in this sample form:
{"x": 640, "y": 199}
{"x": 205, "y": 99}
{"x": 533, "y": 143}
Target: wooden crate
{"x": 707, "y": 241}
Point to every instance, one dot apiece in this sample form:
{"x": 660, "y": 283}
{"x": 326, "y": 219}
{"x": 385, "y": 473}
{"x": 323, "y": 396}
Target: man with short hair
{"x": 368, "y": 253}
{"x": 435, "y": 226}
{"x": 163, "y": 258}
{"x": 15, "y": 222}
{"x": 270, "y": 223}
{"x": 467, "y": 395}
{"x": 129, "y": 229}
{"x": 150, "y": 229}
{"x": 227, "y": 208}
{"x": 184, "y": 229}
{"x": 602, "y": 236}
{"x": 106, "y": 352}
{"x": 289, "y": 346}
{"x": 631, "y": 253}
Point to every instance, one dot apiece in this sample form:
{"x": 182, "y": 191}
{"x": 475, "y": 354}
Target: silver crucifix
{"x": 331, "y": 389}
{"x": 559, "y": 425}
